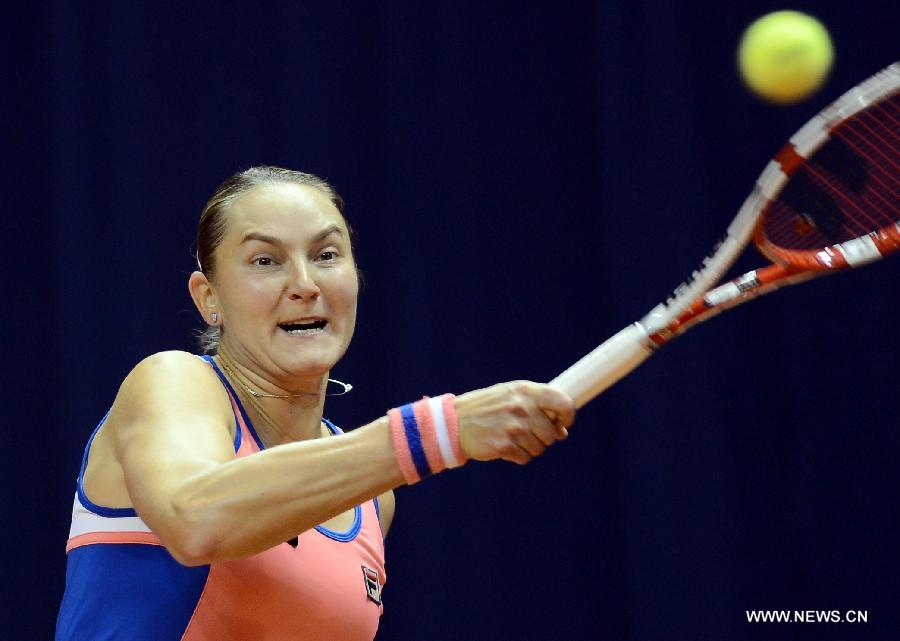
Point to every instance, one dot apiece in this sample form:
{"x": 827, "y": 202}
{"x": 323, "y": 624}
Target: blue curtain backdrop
{"x": 525, "y": 180}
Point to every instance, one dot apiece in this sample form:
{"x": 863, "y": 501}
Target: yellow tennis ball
{"x": 785, "y": 56}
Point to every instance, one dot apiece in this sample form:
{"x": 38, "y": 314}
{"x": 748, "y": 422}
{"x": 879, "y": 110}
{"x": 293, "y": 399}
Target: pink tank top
{"x": 328, "y": 587}
{"x": 324, "y": 585}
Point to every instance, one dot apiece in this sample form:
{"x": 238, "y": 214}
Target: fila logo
{"x": 373, "y": 587}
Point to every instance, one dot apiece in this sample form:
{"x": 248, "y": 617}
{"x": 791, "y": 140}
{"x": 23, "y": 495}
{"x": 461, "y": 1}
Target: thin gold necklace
{"x": 346, "y": 387}
{"x": 253, "y": 401}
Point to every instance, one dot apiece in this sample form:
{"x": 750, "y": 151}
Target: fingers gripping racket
{"x": 828, "y": 201}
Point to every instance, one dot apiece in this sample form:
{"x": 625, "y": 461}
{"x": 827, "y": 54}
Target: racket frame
{"x": 694, "y": 302}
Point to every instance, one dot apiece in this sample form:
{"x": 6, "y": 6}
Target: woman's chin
{"x": 307, "y": 366}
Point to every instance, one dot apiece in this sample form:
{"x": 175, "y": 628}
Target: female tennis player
{"x": 214, "y": 500}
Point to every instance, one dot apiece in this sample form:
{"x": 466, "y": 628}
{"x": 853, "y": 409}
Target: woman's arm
{"x": 171, "y": 423}
{"x": 386, "y": 509}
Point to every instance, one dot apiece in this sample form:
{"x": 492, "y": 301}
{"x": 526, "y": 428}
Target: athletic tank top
{"x": 121, "y": 583}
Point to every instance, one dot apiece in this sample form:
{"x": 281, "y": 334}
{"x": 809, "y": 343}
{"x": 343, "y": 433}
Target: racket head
{"x": 833, "y": 191}
{"x": 758, "y": 218}
{"x": 789, "y": 197}
{"x": 828, "y": 200}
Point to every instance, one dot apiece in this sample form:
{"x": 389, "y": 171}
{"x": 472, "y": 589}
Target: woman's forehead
{"x": 283, "y": 208}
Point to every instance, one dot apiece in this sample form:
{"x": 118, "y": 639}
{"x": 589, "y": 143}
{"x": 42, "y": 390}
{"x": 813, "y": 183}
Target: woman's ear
{"x": 204, "y": 298}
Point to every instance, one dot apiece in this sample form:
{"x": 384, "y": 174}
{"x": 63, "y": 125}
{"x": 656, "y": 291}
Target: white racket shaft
{"x": 621, "y": 354}
{"x": 609, "y": 362}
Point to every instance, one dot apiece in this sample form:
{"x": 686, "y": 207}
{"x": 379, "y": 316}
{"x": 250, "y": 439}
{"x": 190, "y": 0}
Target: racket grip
{"x": 609, "y": 362}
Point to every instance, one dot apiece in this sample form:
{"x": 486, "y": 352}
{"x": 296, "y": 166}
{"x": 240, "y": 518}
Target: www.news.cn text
{"x": 807, "y": 616}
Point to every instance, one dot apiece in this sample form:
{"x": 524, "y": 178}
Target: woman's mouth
{"x": 304, "y": 327}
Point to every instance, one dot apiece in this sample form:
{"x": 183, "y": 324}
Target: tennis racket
{"x": 828, "y": 201}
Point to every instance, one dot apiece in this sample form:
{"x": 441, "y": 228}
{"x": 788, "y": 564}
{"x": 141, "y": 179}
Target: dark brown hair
{"x": 212, "y": 226}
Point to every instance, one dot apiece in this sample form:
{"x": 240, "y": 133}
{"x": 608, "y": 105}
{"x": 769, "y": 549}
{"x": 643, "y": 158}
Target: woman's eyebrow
{"x": 331, "y": 229}
{"x": 253, "y": 235}
{"x": 260, "y": 237}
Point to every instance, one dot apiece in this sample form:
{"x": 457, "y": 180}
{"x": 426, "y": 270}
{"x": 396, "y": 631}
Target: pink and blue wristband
{"x": 425, "y": 435}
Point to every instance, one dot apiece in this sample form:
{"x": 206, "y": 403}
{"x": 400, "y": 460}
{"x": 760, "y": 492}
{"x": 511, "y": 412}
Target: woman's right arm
{"x": 171, "y": 424}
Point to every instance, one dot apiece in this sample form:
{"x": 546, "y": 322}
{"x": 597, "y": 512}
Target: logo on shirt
{"x": 373, "y": 587}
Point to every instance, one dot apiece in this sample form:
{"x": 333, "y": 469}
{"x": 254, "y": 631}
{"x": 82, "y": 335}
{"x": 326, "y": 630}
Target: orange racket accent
{"x": 789, "y": 159}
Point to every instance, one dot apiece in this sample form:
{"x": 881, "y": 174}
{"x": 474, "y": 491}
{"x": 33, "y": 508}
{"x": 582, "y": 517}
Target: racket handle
{"x": 609, "y": 362}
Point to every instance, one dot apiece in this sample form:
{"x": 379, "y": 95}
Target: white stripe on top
{"x": 84, "y": 521}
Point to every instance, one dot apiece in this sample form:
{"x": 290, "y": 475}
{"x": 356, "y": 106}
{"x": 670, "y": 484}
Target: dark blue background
{"x": 525, "y": 180}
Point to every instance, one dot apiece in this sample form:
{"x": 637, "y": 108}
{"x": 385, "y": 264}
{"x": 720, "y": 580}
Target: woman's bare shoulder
{"x": 173, "y": 359}
{"x": 173, "y": 379}
{"x": 171, "y": 364}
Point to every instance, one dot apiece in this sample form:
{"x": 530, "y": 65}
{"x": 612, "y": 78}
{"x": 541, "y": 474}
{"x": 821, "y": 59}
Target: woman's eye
{"x": 263, "y": 261}
{"x": 328, "y": 255}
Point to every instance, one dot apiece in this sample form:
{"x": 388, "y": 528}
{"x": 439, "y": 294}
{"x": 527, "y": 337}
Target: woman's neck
{"x": 297, "y": 417}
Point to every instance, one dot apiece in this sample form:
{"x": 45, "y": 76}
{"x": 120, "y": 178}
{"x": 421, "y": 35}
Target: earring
{"x": 215, "y": 318}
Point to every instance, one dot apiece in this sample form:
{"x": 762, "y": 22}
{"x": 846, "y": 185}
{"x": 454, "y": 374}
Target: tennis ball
{"x": 785, "y": 56}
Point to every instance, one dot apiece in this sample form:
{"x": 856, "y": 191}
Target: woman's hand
{"x": 514, "y": 421}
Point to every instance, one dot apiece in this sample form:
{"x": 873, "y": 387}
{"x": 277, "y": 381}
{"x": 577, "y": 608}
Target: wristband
{"x": 425, "y": 435}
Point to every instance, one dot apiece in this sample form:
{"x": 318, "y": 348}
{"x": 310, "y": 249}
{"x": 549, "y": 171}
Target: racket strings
{"x": 882, "y": 136}
{"x": 865, "y": 210}
{"x": 875, "y": 139}
{"x": 849, "y": 188}
{"x": 882, "y": 130}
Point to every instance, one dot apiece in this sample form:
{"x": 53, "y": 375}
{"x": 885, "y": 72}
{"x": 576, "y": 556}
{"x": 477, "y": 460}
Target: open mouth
{"x": 302, "y": 327}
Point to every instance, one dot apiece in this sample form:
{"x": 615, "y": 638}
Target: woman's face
{"x": 286, "y": 282}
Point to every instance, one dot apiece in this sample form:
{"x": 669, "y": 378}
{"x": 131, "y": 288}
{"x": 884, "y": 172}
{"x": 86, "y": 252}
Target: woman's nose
{"x": 303, "y": 283}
